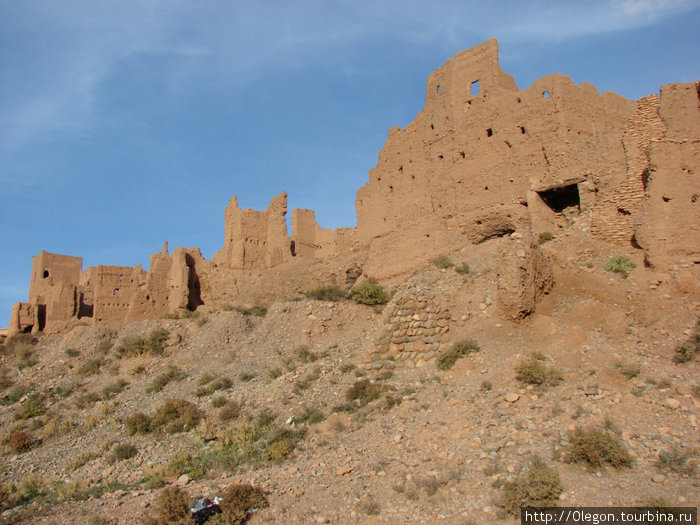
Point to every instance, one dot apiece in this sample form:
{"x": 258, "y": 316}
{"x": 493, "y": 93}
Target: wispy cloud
{"x": 57, "y": 54}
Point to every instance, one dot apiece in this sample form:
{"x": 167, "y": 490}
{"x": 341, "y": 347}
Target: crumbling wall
{"x": 255, "y": 239}
{"x": 524, "y": 275}
{"x": 106, "y": 293}
{"x": 478, "y": 147}
{"x": 23, "y": 319}
{"x": 669, "y": 218}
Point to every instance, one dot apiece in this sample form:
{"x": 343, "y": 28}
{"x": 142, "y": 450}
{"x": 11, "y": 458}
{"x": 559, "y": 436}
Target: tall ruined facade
{"x": 482, "y": 159}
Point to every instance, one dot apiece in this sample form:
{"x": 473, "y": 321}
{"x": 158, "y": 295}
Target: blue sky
{"x": 127, "y": 123}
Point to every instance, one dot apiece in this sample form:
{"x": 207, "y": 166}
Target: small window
{"x": 116, "y": 291}
{"x": 475, "y": 89}
{"x": 522, "y": 130}
{"x": 438, "y": 90}
{"x": 489, "y": 132}
{"x": 46, "y": 274}
{"x": 121, "y": 277}
{"x": 545, "y": 94}
{"x": 293, "y": 248}
{"x": 441, "y": 157}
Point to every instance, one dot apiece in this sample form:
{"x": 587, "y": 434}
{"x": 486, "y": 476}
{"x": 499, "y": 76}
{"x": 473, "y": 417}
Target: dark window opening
{"x": 120, "y": 277}
{"x": 475, "y": 88}
{"x": 391, "y": 188}
{"x": 194, "y": 287}
{"x": 666, "y": 199}
{"x": 646, "y": 175}
{"x": 41, "y": 315}
{"x": 623, "y": 211}
{"x": 694, "y": 198}
{"x": 438, "y": 90}
{"x": 293, "y": 248}
{"x": 400, "y": 168}
{"x": 148, "y": 298}
{"x": 559, "y": 199}
{"x": 116, "y": 291}
{"x": 486, "y": 187}
{"x": 634, "y": 243}
{"x": 432, "y": 126}
{"x": 46, "y": 274}
{"x": 469, "y": 102}
{"x": 545, "y": 94}
{"x": 519, "y": 100}
{"x": 463, "y": 155}
{"x": 522, "y": 130}
{"x": 489, "y": 132}
{"x": 441, "y": 157}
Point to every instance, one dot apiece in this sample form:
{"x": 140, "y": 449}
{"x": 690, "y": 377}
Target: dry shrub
{"x": 138, "y": 423}
{"x": 540, "y": 487}
{"x": 449, "y": 357}
{"x": 596, "y": 448}
{"x": 363, "y": 391}
{"x": 238, "y": 503}
{"x": 172, "y": 506}
{"x": 533, "y": 372}
{"x": 176, "y": 415}
{"x": 21, "y": 442}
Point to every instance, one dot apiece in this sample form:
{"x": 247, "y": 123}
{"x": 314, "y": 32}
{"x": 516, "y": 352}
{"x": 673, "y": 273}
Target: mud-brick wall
{"x": 415, "y": 326}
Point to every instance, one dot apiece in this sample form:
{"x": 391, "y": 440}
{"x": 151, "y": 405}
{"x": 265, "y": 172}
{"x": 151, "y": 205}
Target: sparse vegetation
{"x": 113, "y": 389}
{"x": 486, "y": 386}
{"x": 596, "y": 447}
{"x": 442, "y": 262}
{"x": 154, "y": 344}
{"x": 462, "y": 268}
{"x": 138, "y": 423}
{"x": 533, "y": 372}
{"x": 687, "y": 351}
{"x": 31, "y": 407}
{"x": 305, "y": 355}
{"x": 540, "y": 487}
{"x": 172, "y": 373}
{"x": 363, "y": 391}
{"x": 210, "y": 384}
{"x": 347, "y": 367}
{"x": 238, "y": 503}
{"x": 369, "y": 293}
{"x": 327, "y": 293}
{"x": 449, "y": 357}
{"x": 274, "y": 373}
{"x": 620, "y": 264}
{"x": 172, "y": 505}
{"x": 244, "y": 377}
{"x": 182, "y": 463}
{"x": 19, "y": 349}
{"x": 629, "y": 370}
{"x": 257, "y": 310}
{"x": 176, "y": 415}
{"x": 71, "y": 352}
{"x": 677, "y": 460}
{"x": 121, "y": 452}
{"x": 230, "y": 410}
{"x": 21, "y": 442}
{"x": 545, "y": 237}
{"x": 309, "y": 416}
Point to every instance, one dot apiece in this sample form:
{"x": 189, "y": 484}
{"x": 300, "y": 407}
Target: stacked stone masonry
{"x": 416, "y": 324}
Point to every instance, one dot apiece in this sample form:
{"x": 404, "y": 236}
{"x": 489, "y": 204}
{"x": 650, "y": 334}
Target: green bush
{"x": 540, "y": 487}
{"x": 363, "y": 391}
{"x": 176, "y": 415}
{"x": 123, "y": 451}
{"x": 449, "y": 357}
{"x": 462, "y": 268}
{"x": 544, "y": 237}
{"x": 305, "y": 355}
{"x": 309, "y": 416}
{"x": 620, "y": 264}
{"x": 533, "y": 372}
{"x": 257, "y": 310}
{"x": 327, "y": 293}
{"x": 138, "y": 423}
{"x": 369, "y": 293}
{"x": 687, "y": 351}
{"x": 182, "y": 463}
{"x": 442, "y": 261}
{"x": 596, "y": 447}
{"x": 172, "y": 373}
{"x": 231, "y": 410}
{"x": 134, "y": 345}
{"x": 113, "y": 389}
{"x": 32, "y": 407}
{"x": 91, "y": 367}
{"x": 213, "y": 384}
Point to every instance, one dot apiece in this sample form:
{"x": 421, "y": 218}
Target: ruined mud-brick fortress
{"x": 483, "y": 159}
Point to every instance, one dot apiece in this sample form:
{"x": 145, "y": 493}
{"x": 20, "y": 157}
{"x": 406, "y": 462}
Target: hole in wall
{"x": 561, "y": 198}
{"x": 666, "y": 199}
{"x": 489, "y": 132}
{"x": 438, "y": 90}
{"x": 474, "y": 89}
{"x": 46, "y": 274}
{"x": 432, "y": 126}
{"x": 623, "y": 211}
{"x": 293, "y": 248}
{"x": 546, "y": 94}
{"x": 441, "y": 157}
{"x": 463, "y": 155}
{"x": 522, "y": 130}
{"x": 646, "y": 176}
